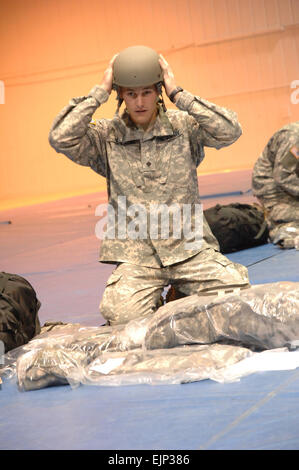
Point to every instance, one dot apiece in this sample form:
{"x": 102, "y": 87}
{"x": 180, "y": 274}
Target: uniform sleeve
{"x": 214, "y": 125}
{"x": 73, "y": 133}
{"x": 286, "y": 169}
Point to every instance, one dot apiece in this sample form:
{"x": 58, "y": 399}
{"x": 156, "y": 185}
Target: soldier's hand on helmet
{"x": 168, "y": 76}
{"x": 106, "y": 82}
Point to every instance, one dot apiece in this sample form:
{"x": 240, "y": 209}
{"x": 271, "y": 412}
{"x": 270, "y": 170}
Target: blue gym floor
{"x": 54, "y": 246}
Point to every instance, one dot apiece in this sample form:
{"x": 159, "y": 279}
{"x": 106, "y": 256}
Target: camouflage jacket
{"x": 144, "y": 169}
{"x": 275, "y": 173}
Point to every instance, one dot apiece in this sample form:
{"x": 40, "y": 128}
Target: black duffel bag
{"x": 237, "y": 226}
{"x": 19, "y": 307}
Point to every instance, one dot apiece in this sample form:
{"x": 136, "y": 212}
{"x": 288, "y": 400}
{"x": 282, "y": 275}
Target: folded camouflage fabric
{"x": 286, "y": 235}
{"x": 185, "y": 340}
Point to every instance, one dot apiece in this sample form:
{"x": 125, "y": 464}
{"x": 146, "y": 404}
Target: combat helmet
{"x": 137, "y": 66}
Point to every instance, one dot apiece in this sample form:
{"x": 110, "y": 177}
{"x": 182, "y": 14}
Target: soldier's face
{"x": 141, "y": 104}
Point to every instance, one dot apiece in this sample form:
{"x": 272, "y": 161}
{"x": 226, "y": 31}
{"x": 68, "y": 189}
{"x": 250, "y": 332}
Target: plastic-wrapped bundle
{"x": 185, "y": 340}
{"x": 261, "y": 317}
{"x": 58, "y": 366}
{"x": 61, "y": 337}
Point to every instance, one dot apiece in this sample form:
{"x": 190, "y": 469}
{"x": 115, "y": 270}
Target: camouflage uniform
{"x": 275, "y": 179}
{"x": 156, "y": 166}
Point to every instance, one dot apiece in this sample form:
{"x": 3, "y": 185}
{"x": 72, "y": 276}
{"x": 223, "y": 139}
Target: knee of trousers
{"x": 111, "y": 309}
{"x": 231, "y": 272}
{"x": 118, "y": 309}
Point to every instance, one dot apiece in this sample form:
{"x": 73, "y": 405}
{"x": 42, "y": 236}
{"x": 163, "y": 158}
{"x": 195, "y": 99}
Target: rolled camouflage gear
{"x": 275, "y": 182}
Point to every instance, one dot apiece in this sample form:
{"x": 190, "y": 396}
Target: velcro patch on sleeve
{"x": 290, "y": 159}
{"x": 295, "y": 151}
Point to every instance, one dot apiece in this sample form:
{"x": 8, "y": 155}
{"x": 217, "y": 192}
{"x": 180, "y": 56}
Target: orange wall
{"x": 242, "y": 54}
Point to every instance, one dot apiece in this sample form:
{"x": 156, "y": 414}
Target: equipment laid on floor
{"x": 19, "y": 308}
{"x": 237, "y": 226}
{"x": 186, "y": 340}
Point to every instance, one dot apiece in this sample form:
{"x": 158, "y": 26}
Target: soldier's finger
{"x": 163, "y": 62}
{"x": 113, "y": 59}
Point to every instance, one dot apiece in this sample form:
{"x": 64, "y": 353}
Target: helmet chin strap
{"x": 119, "y": 103}
{"x": 118, "y": 98}
{"x": 160, "y": 100}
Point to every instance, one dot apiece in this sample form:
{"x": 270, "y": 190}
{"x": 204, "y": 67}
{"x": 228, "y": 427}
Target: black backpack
{"x": 237, "y": 226}
{"x": 19, "y": 307}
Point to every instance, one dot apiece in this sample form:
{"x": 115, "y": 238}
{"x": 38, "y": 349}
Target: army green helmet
{"x": 137, "y": 66}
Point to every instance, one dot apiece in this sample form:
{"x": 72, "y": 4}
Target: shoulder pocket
{"x": 289, "y": 161}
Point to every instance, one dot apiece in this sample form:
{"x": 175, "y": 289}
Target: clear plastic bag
{"x": 47, "y": 367}
{"x": 260, "y": 317}
{"x": 189, "y": 339}
{"x": 274, "y": 359}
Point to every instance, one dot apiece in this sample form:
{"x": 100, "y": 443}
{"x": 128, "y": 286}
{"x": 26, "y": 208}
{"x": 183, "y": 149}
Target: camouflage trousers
{"x": 279, "y": 212}
{"x": 135, "y": 291}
